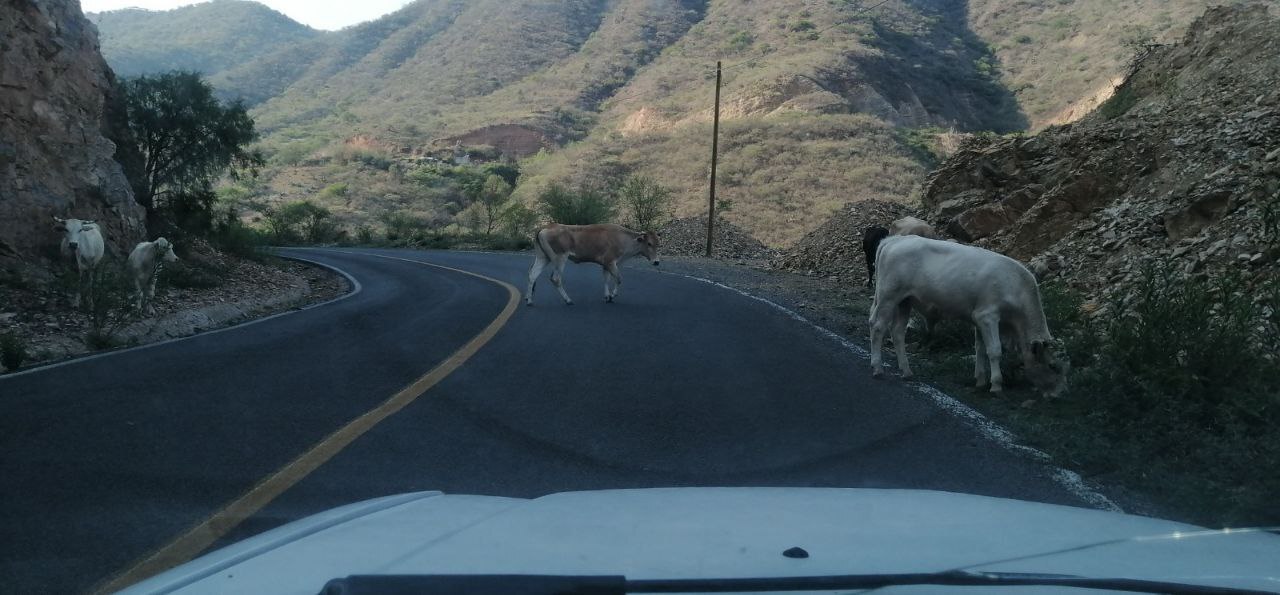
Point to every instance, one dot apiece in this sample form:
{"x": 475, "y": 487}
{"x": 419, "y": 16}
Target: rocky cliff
{"x": 55, "y": 159}
{"x": 1181, "y": 165}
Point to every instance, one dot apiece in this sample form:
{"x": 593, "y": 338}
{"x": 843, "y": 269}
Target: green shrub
{"x": 1179, "y": 400}
{"x": 740, "y": 41}
{"x": 647, "y": 203}
{"x": 13, "y": 351}
{"x": 335, "y": 190}
{"x": 401, "y": 226}
{"x": 234, "y": 237}
{"x": 1182, "y": 337}
{"x": 518, "y": 220}
{"x": 364, "y": 236}
{"x": 582, "y": 206}
{"x": 109, "y": 304}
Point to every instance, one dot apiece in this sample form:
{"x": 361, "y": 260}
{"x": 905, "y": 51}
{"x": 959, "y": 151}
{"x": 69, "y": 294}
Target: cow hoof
{"x": 528, "y": 303}
{"x": 908, "y": 376}
{"x": 569, "y": 303}
{"x": 997, "y": 389}
{"x": 876, "y": 373}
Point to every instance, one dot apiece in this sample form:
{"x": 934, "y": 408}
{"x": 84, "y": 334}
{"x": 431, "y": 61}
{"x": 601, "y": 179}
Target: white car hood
{"x": 723, "y": 533}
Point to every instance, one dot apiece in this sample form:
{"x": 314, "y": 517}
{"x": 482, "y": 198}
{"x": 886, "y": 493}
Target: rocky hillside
{"x": 56, "y": 117}
{"x": 1063, "y": 58}
{"x": 824, "y": 103}
{"x": 209, "y": 37}
{"x": 834, "y": 249}
{"x": 1181, "y": 165}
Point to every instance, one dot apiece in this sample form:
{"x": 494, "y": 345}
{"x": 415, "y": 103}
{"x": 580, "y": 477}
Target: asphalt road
{"x": 680, "y": 383}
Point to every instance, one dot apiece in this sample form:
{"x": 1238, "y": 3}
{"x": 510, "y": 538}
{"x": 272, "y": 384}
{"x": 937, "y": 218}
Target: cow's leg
{"x": 608, "y": 281}
{"x": 611, "y": 271}
{"x": 989, "y": 326}
{"x": 81, "y": 281}
{"x": 979, "y": 360}
{"x": 539, "y": 261}
{"x": 140, "y": 296}
{"x": 151, "y": 292}
{"x": 881, "y": 318}
{"x": 900, "y": 338}
{"x": 557, "y": 278}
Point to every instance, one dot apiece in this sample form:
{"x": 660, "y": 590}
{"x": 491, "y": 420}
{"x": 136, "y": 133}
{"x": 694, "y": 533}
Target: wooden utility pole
{"x": 715, "y": 146}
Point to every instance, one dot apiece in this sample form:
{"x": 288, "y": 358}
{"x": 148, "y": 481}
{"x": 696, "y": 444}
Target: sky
{"x": 320, "y": 14}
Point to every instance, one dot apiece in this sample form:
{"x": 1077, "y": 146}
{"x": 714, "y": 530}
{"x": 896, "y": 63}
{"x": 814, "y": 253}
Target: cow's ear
{"x": 59, "y": 224}
{"x": 642, "y": 238}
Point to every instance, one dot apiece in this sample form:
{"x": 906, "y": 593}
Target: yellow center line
{"x": 199, "y": 538}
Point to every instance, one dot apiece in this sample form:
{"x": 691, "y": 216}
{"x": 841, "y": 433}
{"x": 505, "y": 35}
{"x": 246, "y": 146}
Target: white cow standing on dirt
{"x": 144, "y": 266}
{"x": 605, "y": 244}
{"x": 82, "y": 240}
{"x": 994, "y": 292}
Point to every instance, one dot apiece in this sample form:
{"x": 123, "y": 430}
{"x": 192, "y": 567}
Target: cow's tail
{"x": 541, "y": 242}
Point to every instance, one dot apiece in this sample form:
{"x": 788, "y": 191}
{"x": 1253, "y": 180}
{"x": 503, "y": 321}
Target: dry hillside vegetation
{"x": 209, "y": 37}
{"x": 824, "y": 103}
{"x": 1063, "y": 58}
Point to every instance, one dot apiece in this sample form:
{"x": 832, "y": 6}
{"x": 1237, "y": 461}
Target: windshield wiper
{"x": 482, "y": 584}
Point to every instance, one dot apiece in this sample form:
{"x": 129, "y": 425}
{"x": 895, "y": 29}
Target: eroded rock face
{"x": 54, "y": 157}
{"x": 1182, "y": 165}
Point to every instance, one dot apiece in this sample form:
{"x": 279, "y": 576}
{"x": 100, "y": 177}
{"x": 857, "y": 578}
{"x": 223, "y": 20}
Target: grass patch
{"x": 13, "y": 351}
{"x": 1172, "y": 394}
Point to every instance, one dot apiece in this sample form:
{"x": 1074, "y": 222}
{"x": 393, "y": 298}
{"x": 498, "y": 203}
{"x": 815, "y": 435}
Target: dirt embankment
{"x": 688, "y": 237}
{"x": 221, "y": 292}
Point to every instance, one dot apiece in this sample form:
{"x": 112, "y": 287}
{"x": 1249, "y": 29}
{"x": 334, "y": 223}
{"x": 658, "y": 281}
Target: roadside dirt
{"x": 42, "y": 320}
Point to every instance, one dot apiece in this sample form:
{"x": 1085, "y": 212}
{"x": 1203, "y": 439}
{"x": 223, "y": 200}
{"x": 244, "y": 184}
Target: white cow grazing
{"x": 83, "y": 240}
{"x": 144, "y": 265}
{"x": 996, "y": 293}
{"x": 911, "y": 226}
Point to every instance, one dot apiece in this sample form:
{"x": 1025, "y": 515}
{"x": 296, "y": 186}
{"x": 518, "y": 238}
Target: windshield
{"x": 968, "y": 292}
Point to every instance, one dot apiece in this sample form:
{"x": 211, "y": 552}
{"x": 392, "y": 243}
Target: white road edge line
{"x": 355, "y": 289}
{"x": 1069, "y": 480}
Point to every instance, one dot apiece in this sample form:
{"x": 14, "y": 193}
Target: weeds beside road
{"x": 1173, "y": 403}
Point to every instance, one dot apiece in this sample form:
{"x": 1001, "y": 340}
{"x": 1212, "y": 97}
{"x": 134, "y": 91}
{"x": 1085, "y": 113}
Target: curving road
{"x": 107, "y": 459}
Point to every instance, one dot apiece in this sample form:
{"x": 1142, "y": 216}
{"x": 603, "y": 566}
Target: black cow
{"x": 870, "y": 241}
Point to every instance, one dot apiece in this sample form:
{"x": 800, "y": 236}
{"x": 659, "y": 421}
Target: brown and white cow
{"x": 605, "y": 244}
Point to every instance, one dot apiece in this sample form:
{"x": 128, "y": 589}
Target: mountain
{"x": 209, "y": 37}
{"x": 823, "y": 103}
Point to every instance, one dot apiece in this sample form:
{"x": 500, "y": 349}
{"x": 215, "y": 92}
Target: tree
{"x": 518, "y": 221}
{"x": 184, "y": 138}
{"x": 492, "y": 195}
{"x": 647, "y": 203}
{"x": 301, "y": 220}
